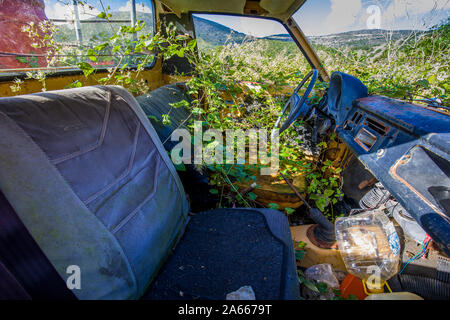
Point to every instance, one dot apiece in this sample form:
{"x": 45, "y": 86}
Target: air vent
{"x": 377, "y": 126}
{"x": 365, "y": 139}
{"x": 356, "y": 117}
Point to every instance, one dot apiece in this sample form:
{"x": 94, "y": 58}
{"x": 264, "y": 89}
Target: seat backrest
{"x": 86, "y": 173}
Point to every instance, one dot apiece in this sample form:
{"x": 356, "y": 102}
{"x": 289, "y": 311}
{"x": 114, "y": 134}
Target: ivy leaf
{"x": 86, "y": 68}
{"x": 91, "y": 55}
{"x": 75, "y": 84}
{"x": 182, "y": 103}
{"x": 274, "y": 206}
{"x": 301, "y": 245}
{"x": 166, "y": 119}
{"x": 252, "y": 196}
{"x": 289, "y": 210}
{"x": 328, "y": 193}
{"x": 310, "y": 285}
{"x": 423, "y": 83}
{"x": 322, "y": 287}
{"x": 299, "y": 254}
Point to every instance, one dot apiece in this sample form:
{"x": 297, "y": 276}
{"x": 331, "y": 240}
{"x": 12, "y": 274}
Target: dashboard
{"x": 405, "y": 146}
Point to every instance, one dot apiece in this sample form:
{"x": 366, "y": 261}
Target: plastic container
{"x": 370, "y": 247}
{"x": 408, "y": 224}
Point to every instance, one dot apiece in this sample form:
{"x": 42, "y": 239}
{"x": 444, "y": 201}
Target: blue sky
{"x": 320, "y": 17}
{"x": 315, "y": 17}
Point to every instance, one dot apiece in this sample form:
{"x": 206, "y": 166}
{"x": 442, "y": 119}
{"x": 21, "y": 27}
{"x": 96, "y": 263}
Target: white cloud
{"x": 57, "y": 11}
{"x": 60, "y": 10}
{"x": 401, "y": 8}
{"x": 417, "y": 11}
{"x": 140, "y": 7}
{"x": 342, "y": 15}
{"x": 259, "y": 27}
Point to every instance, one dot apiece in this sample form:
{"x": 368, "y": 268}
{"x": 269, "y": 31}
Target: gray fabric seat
{"x": 88, "y": 176}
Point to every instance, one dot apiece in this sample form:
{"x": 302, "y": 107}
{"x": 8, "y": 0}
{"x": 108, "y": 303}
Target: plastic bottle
{"x": 370, "y": 247}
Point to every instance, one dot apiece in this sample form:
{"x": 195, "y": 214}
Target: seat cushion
{"x": 87, "y": 175}
{"x": 158, "y": 102}
{"x": 225, "y": 249}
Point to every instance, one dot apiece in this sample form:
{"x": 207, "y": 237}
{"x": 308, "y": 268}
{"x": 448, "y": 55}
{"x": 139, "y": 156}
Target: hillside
{"x": 214, "y": 33}
{"x": 211, "y": 34}
{"x": 361, "y": 38}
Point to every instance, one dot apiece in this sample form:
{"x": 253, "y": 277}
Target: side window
{"x": 60, "y": 34}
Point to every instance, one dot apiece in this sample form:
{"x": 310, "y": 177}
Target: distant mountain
{"x": 280, "y": 37}
{"x": 361, "y": 38}
{"x": 212, "y": 34}
{"x": 215, "y": 33}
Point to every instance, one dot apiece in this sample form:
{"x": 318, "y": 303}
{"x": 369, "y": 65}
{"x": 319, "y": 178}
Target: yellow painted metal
{"x": 315, "y": 255}
{"x": 153, "y": 78}
{"x": 273, "y": 189}
{"x": 307, "y": 48}
{"x": 281, "y": 10}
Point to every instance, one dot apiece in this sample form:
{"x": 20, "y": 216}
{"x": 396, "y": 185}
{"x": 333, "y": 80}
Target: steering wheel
{"x": 298, "y": 107}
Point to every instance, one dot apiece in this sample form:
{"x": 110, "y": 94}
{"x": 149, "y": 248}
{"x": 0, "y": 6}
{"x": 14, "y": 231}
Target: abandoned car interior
{"x": 94, "y": 204}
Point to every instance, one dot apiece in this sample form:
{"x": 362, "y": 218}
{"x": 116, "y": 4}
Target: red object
{"x": 14, "y": 14}
{"x": 352, "y": 285}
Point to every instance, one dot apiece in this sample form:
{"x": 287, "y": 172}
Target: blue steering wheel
{"x": 298, "y": 107}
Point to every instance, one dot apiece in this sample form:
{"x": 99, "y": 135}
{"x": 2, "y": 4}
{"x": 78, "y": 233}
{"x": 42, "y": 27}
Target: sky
{"x": 63, "y": 9}
{"x": 315, "y": 17}
{"x": 321, "y": 17}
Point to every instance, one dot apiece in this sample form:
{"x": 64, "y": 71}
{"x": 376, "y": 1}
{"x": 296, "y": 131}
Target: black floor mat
{"x": 225, "y": 249}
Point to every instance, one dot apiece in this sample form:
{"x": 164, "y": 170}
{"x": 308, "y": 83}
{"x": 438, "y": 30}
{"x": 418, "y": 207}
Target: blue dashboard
{"x": 405, "y": 146}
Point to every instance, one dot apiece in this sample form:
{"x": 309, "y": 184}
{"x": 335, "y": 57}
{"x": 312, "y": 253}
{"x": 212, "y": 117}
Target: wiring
{"x": 420, "y": 254}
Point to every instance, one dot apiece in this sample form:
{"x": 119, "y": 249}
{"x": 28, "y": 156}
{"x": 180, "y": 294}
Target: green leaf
{"x": 214, "y": 191}
{"x": 102, "y": 15}
{"x": 289, "y": 210}
{"x": 432, "y": 79}
{"x": 322, "y": 287}
{"x": 301, "y": 245}
{"x": 180, "y": 167}
{"x": 252, "y": 196}
{"x": 153, "y": 118}
{"x": 274, "y": 206}
{"x": 86, "y": 68}
{"x": 182, "y": 103}
{"x": 299, "y": 254}
{"x": 310, "y": 285}
{"x": 166, "y": 119}
{"x": 328, "y": 193}
{"x": 423, "y": 83}
{"x": 75, "y": 84}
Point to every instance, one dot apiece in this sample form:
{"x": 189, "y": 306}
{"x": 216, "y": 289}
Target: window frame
{"x": 50, "y": 71}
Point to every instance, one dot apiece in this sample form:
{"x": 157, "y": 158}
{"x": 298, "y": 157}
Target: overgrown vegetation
{"x": 412, "y": 68}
